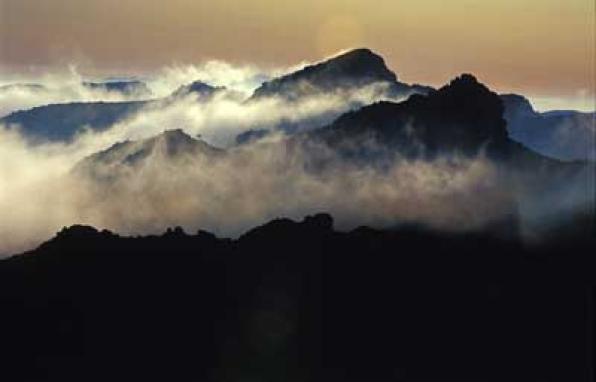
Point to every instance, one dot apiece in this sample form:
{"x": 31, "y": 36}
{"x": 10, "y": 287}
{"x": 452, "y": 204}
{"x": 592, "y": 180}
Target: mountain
{"x": 128, "y": 87}
{"x": 565, "y": 135}
{"x": 462, "y": 117}
{"x": 172, "y": 147}
{"x": 297, "y": 300}
{"x": 352, "y": 70}
{"x": 198, "y": 88}
{"x": 61, "y": 122}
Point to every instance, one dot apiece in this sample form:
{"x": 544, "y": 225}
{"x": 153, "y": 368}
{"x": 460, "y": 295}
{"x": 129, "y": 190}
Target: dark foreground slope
{"x": 297, "y": 302}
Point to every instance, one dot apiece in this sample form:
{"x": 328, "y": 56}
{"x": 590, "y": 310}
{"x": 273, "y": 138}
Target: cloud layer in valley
{"x": 247, "y": 186}
{"x": 39, "y": 193}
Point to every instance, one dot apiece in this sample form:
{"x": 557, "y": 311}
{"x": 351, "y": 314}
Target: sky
{"x": 542, "y": 48}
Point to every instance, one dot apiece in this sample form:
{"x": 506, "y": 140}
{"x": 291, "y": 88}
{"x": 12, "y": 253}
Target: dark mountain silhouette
{"x": 354, "y": 69}
{"x": 565, "y": 135}
{"x": 462, "y": 117}
{"x": 128, "y": 87}
{"x": 298, "y": 301}
{"x": 348, "y": 72}
{"x": 553, "y": 134}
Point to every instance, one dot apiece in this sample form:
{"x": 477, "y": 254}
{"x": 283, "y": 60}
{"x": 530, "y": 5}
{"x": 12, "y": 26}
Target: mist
{"x": 66, "y": 85}
{"x": 247, "y": 186}
{"x": 40, "y": 192}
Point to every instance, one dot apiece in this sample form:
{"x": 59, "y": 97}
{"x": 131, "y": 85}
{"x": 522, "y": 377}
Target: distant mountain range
{"x": 566, "y": 135}
{"x": 563, "y": 135}
{"x": 463, "y": 119}
{"x": 61, "y": 122}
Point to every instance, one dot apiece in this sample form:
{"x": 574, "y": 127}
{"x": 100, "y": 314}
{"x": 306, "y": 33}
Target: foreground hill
{"x": 297, "y": 301}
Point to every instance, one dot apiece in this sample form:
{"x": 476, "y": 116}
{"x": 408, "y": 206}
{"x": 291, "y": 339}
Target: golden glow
{"x": 338, "y": 33}
{"x": 543, "y": 47}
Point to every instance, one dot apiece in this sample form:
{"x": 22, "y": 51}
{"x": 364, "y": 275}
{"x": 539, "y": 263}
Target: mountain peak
{"x": 169, "y": 146}
{"x": 355, "y": 68}
{"x": 466, "y": 83}
{"x": 465, "y": 93}
{"x": 175, "y": 135}
{"x": 362, "y": 62}
{"x": 197, "y": 87}
{"x": 175, "y": 143}
{"x": 463, "y": 116}
{"x": 466, "y": 79}
{"x": 358, "y": 51}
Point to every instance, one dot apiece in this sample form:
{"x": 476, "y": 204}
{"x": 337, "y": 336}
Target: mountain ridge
{"x": 462, "y": 116}
{"x": 352, "y": 69}
{"x": 318, "y": 302}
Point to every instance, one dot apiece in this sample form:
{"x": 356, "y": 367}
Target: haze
{"x": 542, "y": 48}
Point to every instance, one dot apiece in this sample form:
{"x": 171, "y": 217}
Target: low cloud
{"x": 39, "y": 193}
{"x": 59, "y": 87}
{"x": 245, "y": 187}
{"x": 220, "y": 119}
{"x": 241, "y": 78}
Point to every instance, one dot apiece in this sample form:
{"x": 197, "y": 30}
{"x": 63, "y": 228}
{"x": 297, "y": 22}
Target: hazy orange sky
{"x": 540, "y": 47}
